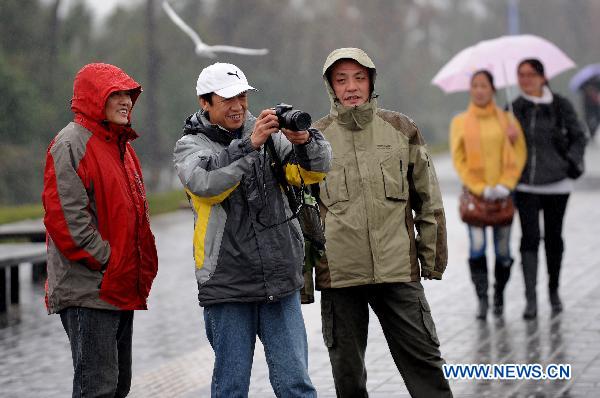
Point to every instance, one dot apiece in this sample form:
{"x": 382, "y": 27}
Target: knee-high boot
{"x": 479, "y": 276}
{"x": 530, "y": 266}
{"x": 502, "y": 274}
{"x": 554, "y": 260}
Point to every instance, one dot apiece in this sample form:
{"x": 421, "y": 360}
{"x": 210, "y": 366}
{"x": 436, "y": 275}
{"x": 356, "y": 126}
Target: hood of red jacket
{"x": 93, "y": 85}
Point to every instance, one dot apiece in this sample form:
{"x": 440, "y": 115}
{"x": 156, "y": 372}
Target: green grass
{"x": 21, "y": 212}
{"x": 159, "y": 203}
{"x": 440, "y": 147}
{"x": 165, "y": 202}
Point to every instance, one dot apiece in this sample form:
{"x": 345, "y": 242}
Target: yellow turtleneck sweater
{"x": 488, "y": 166}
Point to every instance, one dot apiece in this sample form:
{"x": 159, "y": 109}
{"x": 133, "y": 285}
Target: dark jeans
{"x": 408, "y": 327}
{"x": 101, "y": 349}
{"x": 553, "y": 208}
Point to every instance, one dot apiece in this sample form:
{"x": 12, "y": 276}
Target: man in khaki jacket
{"x": 381, "y": 188}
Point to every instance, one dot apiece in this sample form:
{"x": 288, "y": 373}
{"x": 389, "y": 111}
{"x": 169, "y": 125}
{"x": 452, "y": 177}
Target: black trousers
{"x": 408, "y": 327}
{"x": 553, "y": 207}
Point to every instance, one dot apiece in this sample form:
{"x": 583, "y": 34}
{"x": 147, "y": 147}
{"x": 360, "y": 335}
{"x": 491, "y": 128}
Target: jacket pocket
{"x": 79, "y": 284}
{"x": 393, "y": 171}
{"x": 428, "y": 321}
{"x": 334, "y": 188}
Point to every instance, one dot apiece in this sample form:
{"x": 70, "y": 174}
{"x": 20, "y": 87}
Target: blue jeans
{"x": 232, "y": 328}
{"x": 101, "y": 349}
{"x": 478, "y": 242}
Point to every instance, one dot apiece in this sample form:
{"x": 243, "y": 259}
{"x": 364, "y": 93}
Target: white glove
{"x": 500, "y": 191}
{"x": 489, "y": 193}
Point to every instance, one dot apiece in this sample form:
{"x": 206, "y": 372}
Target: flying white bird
{"x": 203, "y": 49}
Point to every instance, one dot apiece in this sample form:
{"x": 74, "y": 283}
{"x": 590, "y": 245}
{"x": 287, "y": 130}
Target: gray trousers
{"x": 408, "y": 327}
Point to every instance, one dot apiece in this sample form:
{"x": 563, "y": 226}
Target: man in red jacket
{"x": 101, "y": 253}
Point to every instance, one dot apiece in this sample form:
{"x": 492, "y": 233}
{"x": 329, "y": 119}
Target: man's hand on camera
{"x": 297, "y": 137}
{"x": 265, "y": 125}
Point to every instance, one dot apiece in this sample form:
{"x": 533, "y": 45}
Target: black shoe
{"x": 502, "y": 274}
{"x": 498, "y": 309}
{"x": 530, "y": 266}
{"x": 530, "y": 311}
{"x": 555, "y": 302}
{"x": 479, "y": 276}
{"x": 482, "y": 309}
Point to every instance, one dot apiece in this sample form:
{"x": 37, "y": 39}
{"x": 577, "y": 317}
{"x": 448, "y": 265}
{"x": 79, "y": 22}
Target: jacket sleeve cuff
{"x": 246, "y": 145}
{"x": 508, "y": 184}
{"x": 310, "y": 138}
{"x": 430, "y": 274}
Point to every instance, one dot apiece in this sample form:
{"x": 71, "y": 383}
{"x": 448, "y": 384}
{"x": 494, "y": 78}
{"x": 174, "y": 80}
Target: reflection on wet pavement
{"x": 172, "y": 357}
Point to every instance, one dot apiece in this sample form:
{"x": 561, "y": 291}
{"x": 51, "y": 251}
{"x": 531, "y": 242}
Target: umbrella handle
{"x": 510, "y": 108}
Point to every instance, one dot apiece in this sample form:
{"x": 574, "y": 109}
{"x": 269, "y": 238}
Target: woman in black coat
{"x": 555, "y": 147}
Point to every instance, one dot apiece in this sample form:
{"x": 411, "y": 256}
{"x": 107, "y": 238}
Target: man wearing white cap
{"x": 248, "y": 249}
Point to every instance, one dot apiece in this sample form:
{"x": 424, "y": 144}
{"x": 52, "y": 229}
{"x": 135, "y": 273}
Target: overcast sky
{"x": 100, "y": 8}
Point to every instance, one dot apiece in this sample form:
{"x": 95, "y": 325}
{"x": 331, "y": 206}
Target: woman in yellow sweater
{"x": 488, "y": 150}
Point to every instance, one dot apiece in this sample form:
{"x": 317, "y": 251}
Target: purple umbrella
{"x": 586, "y": 73}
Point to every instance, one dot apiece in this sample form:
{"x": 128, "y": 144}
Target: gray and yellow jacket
{"x": 243, "y": 249}
{"x": 381, "y": 173}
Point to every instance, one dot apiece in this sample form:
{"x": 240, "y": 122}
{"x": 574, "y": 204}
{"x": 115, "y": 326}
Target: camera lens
{"x": 297, "y": 120}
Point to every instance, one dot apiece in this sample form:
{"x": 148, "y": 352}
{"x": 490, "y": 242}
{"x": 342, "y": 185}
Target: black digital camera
{"x": 292, "y": 119}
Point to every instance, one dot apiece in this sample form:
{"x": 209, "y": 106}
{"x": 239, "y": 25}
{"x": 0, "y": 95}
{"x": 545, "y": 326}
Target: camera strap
{"x": 295, "y": 200}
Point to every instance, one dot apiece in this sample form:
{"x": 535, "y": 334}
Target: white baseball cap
{"x": 223, "y": 79}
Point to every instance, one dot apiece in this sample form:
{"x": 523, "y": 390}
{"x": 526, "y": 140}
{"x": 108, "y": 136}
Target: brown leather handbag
{"x": 479, "y": 212}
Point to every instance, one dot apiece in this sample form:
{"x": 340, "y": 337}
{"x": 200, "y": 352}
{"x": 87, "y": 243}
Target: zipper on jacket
{"x": 138, "y": 222}
{"x": 533, "y": 146}
{"x": 263, "y": 175}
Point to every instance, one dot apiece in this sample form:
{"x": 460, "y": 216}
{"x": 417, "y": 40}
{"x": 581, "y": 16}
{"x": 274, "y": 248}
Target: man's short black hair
{"x": 207, "y": 97}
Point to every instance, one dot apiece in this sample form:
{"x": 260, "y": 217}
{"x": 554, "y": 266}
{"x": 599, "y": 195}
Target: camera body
{"x": 292, "y": 119}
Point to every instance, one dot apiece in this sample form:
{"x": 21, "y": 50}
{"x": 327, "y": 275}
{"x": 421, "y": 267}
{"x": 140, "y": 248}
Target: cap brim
{"x": 232, "y": 91}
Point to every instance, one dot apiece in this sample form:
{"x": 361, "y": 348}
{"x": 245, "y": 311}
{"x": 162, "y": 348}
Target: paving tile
{"x": 172, "y": 357}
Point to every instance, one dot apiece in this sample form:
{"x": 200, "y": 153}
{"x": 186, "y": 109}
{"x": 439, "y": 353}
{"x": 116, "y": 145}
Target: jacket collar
{"x": 546, "y": 97}
{"x": 105, "y": 130}
{"x": 198, "y": 123}
{"x": 354, "y": 118}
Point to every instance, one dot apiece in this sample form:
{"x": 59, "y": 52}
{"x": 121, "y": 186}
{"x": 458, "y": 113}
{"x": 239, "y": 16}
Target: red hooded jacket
{"x": 101, "y": 252}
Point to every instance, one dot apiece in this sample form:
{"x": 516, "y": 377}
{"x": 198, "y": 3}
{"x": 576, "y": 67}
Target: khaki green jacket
{"x": 384, "y": 217}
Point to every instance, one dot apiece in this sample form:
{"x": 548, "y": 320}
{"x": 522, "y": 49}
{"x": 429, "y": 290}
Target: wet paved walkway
{"x": 172, "y": 357}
